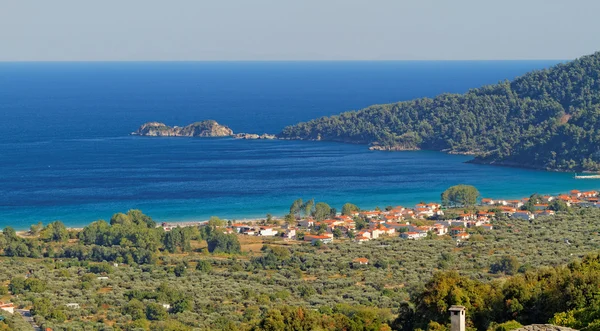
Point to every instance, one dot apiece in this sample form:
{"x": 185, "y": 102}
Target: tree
{"x": 17, "y": 285}
{"x": 460, "y": 195}
{"x": 10, "y": 234}
{"x": 506, "y": 326}
{"x": 55, "y": 231}
{"x": 337, "y": 233}
{"x": 135, "y": 308}
{"x": 42, "y": 307}
{"x": 307, "y": 207}
{"x": 179, "y": 270}
{"x": 360, "y": 223}
{"x": 224, "y": 243}
{"x": 35, "y": 229}
{"x": 203, "y": 266}
{"x": 534, "y": 199}
{"x": 35, "y": 285}
{"x": 58, "y": 315}
{"x": 156, "y": 312}
{"x": 296, "y": 207}
{"x": 322, "y": 211}
{"x": 348, "y": 209}
{"x": 507, "y": 264}
{"x": 558, "y": 205}
{"x": 178, "y": 240}
{"x": 181, "y": 305}
{"x": 216, "y": 222}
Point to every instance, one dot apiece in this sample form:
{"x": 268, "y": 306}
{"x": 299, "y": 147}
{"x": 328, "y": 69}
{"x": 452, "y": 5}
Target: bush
{"x": 156, "y": 312}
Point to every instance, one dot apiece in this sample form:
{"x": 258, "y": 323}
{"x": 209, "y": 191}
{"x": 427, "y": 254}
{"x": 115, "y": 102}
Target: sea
{"x": 66, "y": 151}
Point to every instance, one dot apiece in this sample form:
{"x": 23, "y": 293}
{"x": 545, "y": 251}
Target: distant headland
{"x": 204, "y": 129}
{"x": 546, "y": 119}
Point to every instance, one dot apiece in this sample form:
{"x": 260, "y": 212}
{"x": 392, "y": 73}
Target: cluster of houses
{"x": 403, "y": 222}
{"x": 377, "y": 223}
{"x": 512, "y": 208}
{"x": 409, "y": 223}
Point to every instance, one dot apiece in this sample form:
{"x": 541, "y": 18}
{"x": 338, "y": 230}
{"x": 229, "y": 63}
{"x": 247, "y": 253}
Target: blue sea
{"x": 66, "y": 153}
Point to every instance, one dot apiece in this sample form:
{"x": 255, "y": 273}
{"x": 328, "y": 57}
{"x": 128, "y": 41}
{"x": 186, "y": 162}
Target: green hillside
{"x": 547, "y": 119}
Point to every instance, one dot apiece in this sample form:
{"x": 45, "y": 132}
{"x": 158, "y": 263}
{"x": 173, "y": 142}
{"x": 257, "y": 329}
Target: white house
{"x": 361, "y": 260}
{"x": 514, "y": 203}
{"x": 267, "y": 231}
{"x": 440, "y": 229}
{"x": 314, "y": 238}
{"x": 307, "y": 223}
{"x": 73, "y": 305}
{"x": 487, "y": 202}
{"x": 462, "y": 236}
{"x": 7, "y": 306}
{"x": 375, "y": 233}
{"x": 290, "y": 233}
{"x": 413, "y": 235}
{"x": 523, "y": 215}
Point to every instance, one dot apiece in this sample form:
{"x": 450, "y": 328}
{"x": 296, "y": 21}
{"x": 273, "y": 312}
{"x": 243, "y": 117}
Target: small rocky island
{"x": 208, "y": 128}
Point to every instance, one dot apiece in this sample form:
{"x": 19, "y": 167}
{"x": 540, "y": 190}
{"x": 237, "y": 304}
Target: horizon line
{"x": 274, "y": 60}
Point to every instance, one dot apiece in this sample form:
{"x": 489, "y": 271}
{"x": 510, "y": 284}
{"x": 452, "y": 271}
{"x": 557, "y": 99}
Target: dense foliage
{"x": 544, "y": 119}
{"x": 566, "y": 295}
{"x": 460, "y": 195}
{"x": 519, "y": 272}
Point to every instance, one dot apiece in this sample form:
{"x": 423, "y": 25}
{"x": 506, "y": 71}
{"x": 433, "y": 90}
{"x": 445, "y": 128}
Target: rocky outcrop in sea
{"x": 208, "y": 128}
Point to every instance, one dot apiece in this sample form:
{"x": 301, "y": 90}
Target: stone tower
{"x": 457, "y": 318}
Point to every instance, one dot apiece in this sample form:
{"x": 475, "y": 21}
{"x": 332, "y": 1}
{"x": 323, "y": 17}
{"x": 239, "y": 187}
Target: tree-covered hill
{"x": 546, "y": 119}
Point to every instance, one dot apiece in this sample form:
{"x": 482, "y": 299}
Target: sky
{"x": 225, "y": 30}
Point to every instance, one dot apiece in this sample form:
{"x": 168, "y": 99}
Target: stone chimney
{"x": 457, "y": 318}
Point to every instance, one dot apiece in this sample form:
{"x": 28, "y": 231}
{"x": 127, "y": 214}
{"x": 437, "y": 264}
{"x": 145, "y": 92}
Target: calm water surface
{"x": 66, "y": 153}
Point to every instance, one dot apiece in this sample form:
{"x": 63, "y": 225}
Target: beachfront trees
{"x": 178, "y": 240}
{"x": 296, "y": 207}
{"x": 460, "y": 195}
{"x": 215, "y": 222}
{"x": 349, "y": 208}
{"x": 55, "y": 231}
{"x": 35, "y": 229}
{"x": 307, "y": 207}
{"x": 322, "y": 211}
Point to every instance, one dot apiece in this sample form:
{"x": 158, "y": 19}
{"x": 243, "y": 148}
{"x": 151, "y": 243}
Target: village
{"x": 420, "y": 221}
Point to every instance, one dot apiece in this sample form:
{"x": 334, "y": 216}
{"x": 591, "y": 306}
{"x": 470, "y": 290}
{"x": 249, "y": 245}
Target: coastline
{"x": 474, "y": 160}
{"x": 185, "y": 222}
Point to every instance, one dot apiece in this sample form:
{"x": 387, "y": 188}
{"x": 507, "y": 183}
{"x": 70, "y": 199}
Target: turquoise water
{"x": 66, "y": 153}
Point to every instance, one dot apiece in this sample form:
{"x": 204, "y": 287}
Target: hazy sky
{"x": 62, "y": 30}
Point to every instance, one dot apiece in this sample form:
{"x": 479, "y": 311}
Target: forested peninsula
{"x": 547, "y": 119}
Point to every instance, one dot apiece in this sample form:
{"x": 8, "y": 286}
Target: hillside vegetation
{"x": 201, "y": 279}
{"x": 546, "y": 119}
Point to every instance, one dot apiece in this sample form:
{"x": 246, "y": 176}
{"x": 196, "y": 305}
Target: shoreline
{"x": 23, "y": 232}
